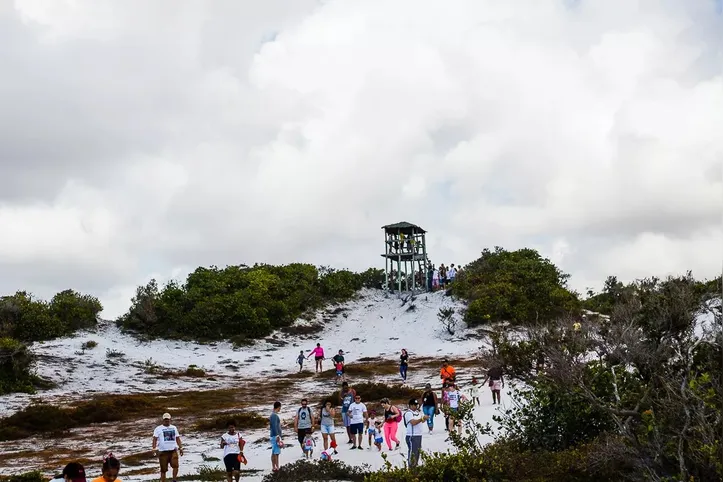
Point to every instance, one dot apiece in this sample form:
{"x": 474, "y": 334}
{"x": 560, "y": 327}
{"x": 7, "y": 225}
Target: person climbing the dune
{"x": 339, "y": 359}
{"x": 318, "y": 353}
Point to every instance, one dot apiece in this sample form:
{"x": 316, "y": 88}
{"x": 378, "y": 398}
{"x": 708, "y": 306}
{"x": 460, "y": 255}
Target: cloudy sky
{"x": 143, "y": 138}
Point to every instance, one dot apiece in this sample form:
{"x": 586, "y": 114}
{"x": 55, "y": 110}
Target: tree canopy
{"x": 519, "y": 286}
{"x": 239, "y": 302}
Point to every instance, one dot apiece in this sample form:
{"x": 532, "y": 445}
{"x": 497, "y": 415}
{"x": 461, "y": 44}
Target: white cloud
{"x": 142, "y": 138}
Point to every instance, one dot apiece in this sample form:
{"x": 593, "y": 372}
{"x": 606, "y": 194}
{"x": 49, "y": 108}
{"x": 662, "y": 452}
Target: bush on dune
{"x": 519, "y": 286}
{"x": 238, "y": 303}
{"x": 318, "y": 471}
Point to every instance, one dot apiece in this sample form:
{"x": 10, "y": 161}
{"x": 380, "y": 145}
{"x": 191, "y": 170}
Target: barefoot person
{"x": 232, "y": 445}
{"x": 167, "y": 442}
{"x": 275, "y": 436}
{"x": 326, "y": 417}
{"x": 318, "y": 353}
{"x": 347, "y": 398}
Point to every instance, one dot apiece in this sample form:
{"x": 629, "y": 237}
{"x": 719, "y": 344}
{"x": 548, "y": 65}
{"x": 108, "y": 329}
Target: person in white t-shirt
{"x": 453, "y": 399}
{"x": 414, "y": 420}
{"x": 451, "y": 274}
{"x": 233, "y": 449}
{"x": 357, "y": 414}
{"x": 167, "y": 446}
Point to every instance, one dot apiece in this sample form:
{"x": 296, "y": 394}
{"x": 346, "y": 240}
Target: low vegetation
{"x": 49, "y": 420}
{"x": 634, "y": 397}
{"x": 318, "y": 471}
{"x": 373, "y": 392}
{"x": 16, "y": 363}
{"x": 239, "y": 303}
{"x": 243, "y": 420}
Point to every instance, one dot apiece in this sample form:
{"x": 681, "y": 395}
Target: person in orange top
{"x": 111, "y": 467}
{"x": 447, "y": 373}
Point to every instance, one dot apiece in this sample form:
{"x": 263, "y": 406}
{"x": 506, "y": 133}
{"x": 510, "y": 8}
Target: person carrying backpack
{"x": 413, "y": 421}
{"x": 392, "y": 417}
{"x": 303, "y": 422}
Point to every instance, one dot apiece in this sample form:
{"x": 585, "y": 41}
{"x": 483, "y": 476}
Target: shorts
{"x": 166, "y": 458}
{"x": 275, "y": 449}
{"x": 345, "y": 419}
{"x": 357, "y": 428}
{"x": 378, "y": 440}
{"x": 452, "y": 413}
{"x": 339, "y": 373}
{"x": 370, "y": 431}
{"x": 327, "y": 429}
{"x": 232, "y": 463}
{"x": 317, "y": 358}
{"x": 496, "y": 385}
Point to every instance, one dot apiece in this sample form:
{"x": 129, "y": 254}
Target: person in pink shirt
{"x": 318, "y": 353}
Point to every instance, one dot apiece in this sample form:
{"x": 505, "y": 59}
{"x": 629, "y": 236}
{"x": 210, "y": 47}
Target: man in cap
{"x": 413, "y": 420}
{"x": 167, "y": 446}
{"x": 74, "y": 472}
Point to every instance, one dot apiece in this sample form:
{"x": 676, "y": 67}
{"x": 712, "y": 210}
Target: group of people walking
{"x": 357, "y": 421}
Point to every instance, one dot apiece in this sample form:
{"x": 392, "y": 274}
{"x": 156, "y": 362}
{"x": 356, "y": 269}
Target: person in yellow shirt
{"x": 111, "y": 467}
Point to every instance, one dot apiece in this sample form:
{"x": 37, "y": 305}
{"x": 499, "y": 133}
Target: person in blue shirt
{"x": 275, "y": 436}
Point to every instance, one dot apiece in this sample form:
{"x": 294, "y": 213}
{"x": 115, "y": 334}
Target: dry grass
{"x": 242, "y": 420}
{"x": 136, "y": 459}
{"x": 144, "y": 471}
{"x": 50, "y": 419}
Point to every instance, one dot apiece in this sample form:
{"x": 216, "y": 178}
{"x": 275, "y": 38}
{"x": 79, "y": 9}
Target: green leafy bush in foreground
{"x": 318, "y": 471}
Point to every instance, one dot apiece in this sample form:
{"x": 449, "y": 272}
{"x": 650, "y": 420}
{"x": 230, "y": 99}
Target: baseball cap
{"x": 166, "y": 416}
{"x": 75, "y": 472}
{"x": 413, "y": 401}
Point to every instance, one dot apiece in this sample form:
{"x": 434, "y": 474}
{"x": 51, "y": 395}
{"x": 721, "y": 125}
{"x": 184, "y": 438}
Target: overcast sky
{"x": 143, "y": 138}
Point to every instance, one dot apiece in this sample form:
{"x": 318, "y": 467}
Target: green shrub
{"x": 302, "y": 470}
{"x": 89, "y": 345}
{"x": 35, "y": 476}
{"x": 194, "y": 371}
{"x": 27, "y": 319}
{"x": 237, "y": 303}
{"x": 16, "y": 363}
{"x": 516, "y": 286}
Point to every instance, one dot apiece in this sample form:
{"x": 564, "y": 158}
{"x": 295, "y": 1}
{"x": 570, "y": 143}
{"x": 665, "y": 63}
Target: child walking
{"x": 474, "y": 391}
{"x": 339, "y": 372}
{"x": 378, "y": 437}
{"x": 371, "y": 426}
{"x": 300, "y": 360}
{"x": 309, "y": 444}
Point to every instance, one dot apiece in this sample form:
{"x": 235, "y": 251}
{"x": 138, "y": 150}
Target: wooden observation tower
{"x": 405, "y": 258}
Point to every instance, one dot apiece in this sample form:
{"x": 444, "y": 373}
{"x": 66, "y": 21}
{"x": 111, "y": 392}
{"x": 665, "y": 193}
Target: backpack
{"x": 399, "y": 417}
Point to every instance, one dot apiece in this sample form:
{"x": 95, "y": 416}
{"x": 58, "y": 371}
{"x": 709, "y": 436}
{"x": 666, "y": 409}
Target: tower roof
{"x": 403, "y": 227}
